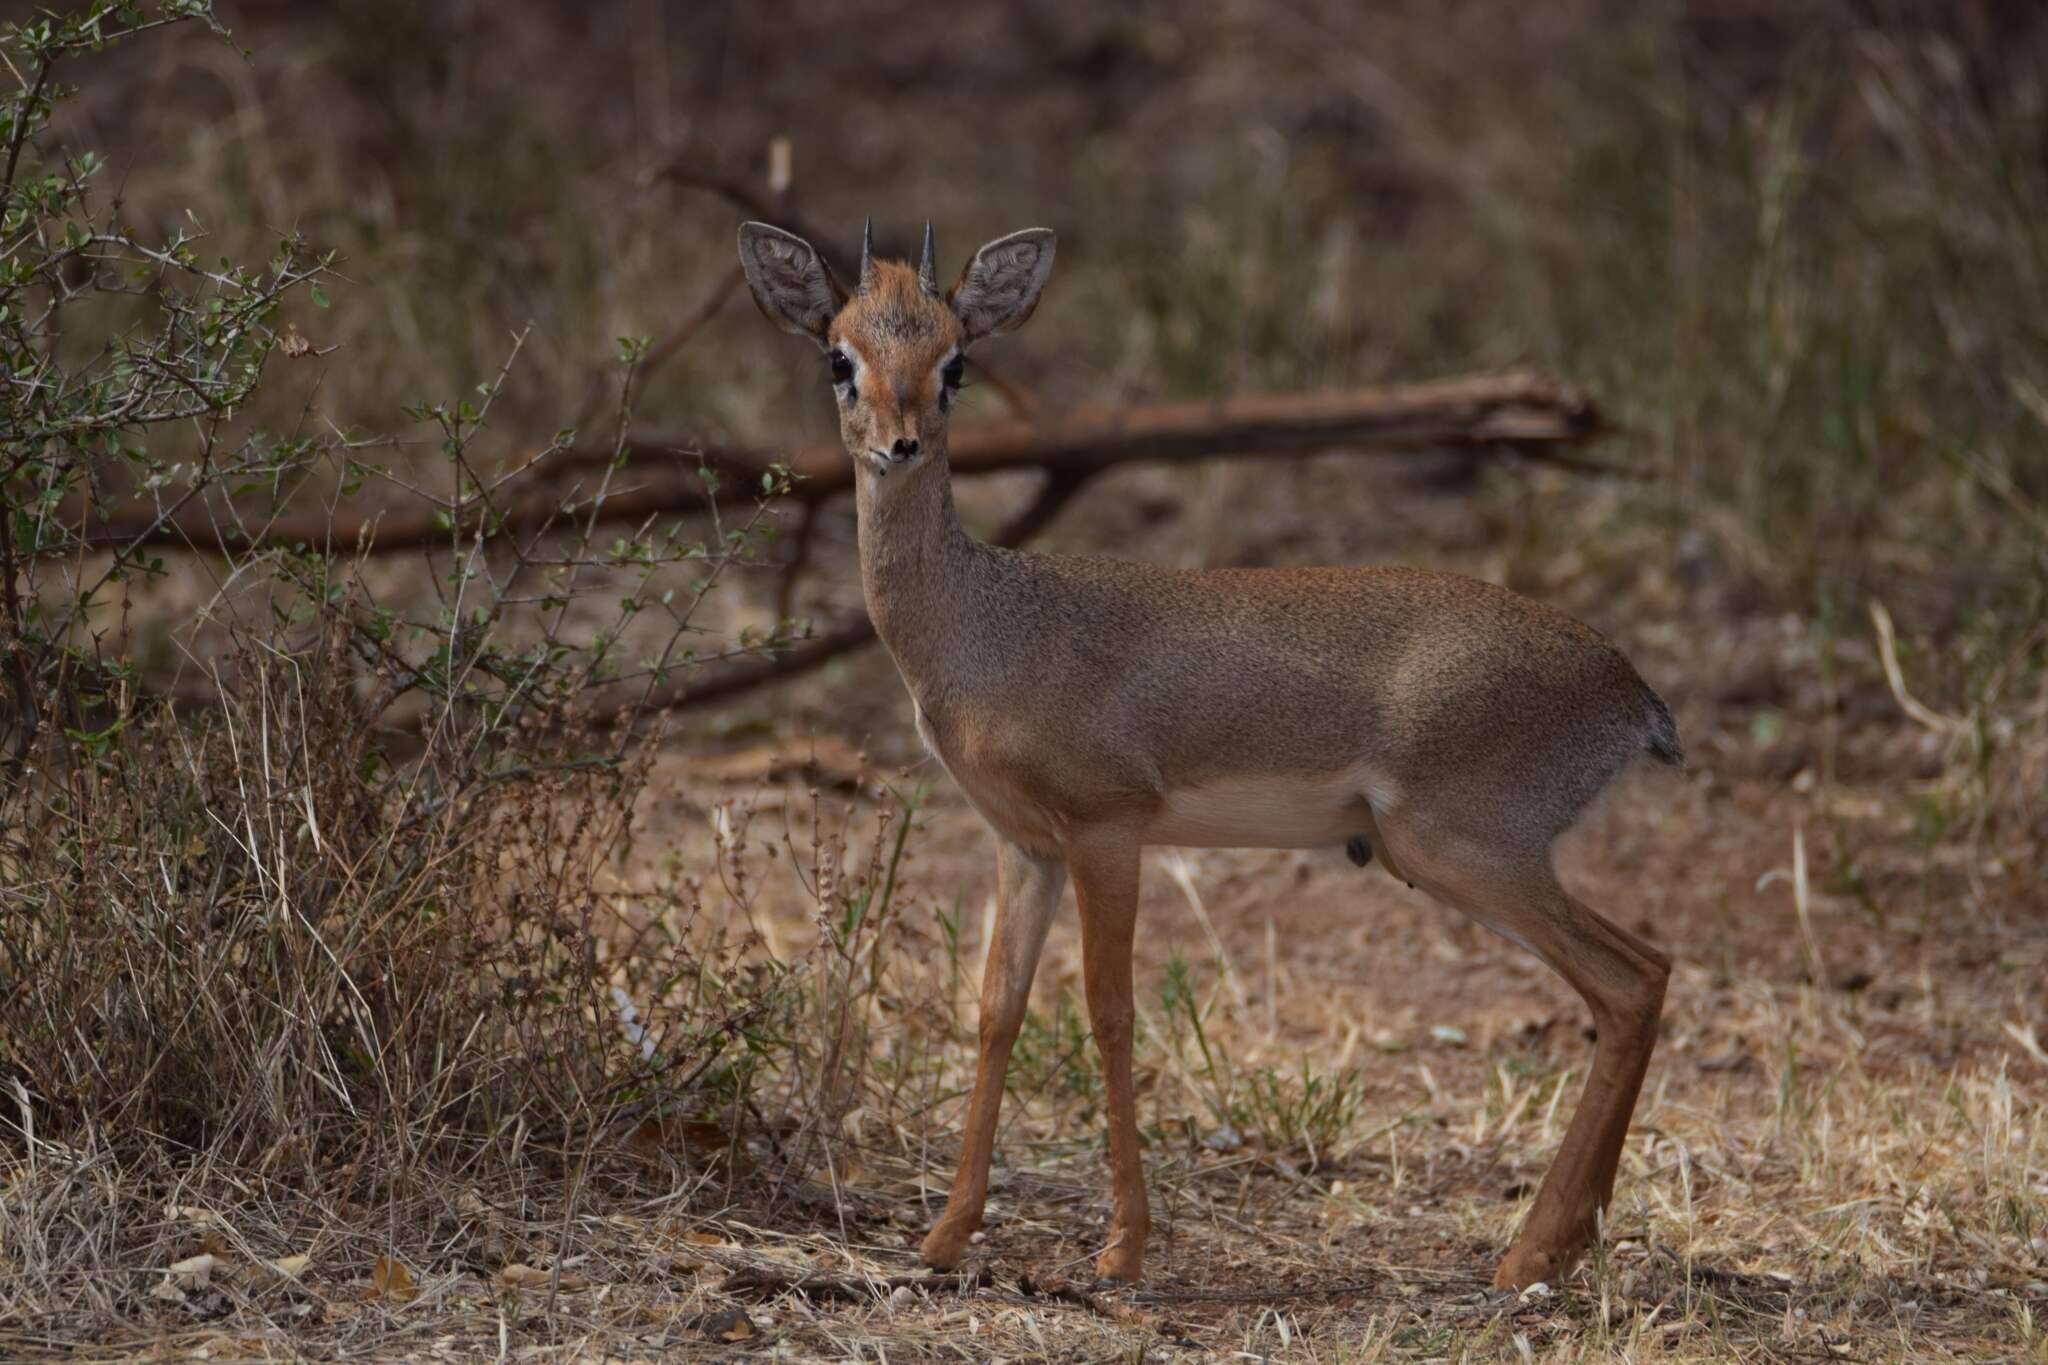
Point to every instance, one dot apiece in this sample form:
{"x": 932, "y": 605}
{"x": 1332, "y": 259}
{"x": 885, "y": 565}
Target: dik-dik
{"x": 1090, "y": 707}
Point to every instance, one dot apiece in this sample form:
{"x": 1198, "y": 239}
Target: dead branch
{"x": 664, "y": 350}
{"x": 661, "y": 352}
{"x": 700, "y": 169}
{"x": 799, "y": 560}
{"x": 1259, "y": 1294}
{"x": 1022, "y": 402}
{"x": 1519, "y": 412}
{"x": 1063, "y": 1291}
{"x": 767, "y": 1283}
{"x": 1058, "y": 491}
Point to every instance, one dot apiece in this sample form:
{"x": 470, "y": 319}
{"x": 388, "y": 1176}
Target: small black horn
{"x": 926, "y": 272}
{"x": 867, "y": 255}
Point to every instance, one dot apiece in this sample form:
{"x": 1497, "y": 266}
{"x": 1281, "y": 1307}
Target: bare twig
{"x": 701, "y": 172}
{"x": 765, "y": 1282}
{"x": 665, "y": 350}
{"x": 799, "y": 559}
{"x": 1895, "y": 678}
{"x": 1018, "y": 398}
{"x": 1060, "y": 1291}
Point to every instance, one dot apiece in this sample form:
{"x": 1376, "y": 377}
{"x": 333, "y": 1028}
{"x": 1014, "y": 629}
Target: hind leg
{"x": 1621, "y": 978}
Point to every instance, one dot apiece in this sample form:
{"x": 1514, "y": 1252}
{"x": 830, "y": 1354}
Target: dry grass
{"x": 581, "y": 1068}
{"x": 1823, "y": 1167}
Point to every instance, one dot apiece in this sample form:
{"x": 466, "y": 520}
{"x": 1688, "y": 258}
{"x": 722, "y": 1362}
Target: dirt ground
{"x": 1838, "y": 1153}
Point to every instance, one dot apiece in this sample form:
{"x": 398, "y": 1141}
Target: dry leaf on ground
{"x": 194, "y": 1272}
{"x": 533, "y": 1277}
{"x": 731, "y": 1325}
{"x": 391, "y": 1280}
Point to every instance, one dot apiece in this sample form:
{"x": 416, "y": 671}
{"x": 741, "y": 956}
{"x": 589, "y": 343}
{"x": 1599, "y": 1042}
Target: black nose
{"x": 906, "y": 446}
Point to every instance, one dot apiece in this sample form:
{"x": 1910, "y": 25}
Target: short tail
{"x": 1662, "y": 741}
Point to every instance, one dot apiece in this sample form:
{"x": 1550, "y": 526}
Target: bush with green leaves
{"x": 340, "y": 886}
{"x": 126, "y": 362}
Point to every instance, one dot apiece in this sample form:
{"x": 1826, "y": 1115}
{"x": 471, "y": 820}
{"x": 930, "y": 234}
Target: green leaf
{"x": 319, "y": 297}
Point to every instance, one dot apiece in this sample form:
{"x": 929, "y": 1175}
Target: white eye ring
{"x": 848, "y": 388}
{"x": 949, "y": 386}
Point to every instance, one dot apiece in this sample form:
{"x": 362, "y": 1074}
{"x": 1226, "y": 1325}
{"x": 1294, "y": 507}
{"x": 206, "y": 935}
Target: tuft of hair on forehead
{"x": 895, "y": 308}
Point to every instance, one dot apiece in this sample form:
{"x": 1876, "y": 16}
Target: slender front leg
{"x": 1028, "y": 891}
{"x": 1106, "y": 883}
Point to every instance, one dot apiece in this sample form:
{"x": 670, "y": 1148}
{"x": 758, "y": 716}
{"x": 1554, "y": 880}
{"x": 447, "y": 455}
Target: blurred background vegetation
{"x": 1797, "y": 250}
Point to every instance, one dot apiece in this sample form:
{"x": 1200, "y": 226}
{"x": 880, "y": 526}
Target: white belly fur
{"x": 1270, "y": 811}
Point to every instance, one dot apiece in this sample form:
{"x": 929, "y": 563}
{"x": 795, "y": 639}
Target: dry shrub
{"x": 279, "y": 979}
{"x": 344, "y": 899}
{"x": 251, "y": 967}
{"x": 243, "y": 933}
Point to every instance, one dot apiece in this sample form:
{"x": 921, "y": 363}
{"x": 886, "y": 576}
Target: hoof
{"x": 943, "y": 1246}
{"x": 1524, "y": 1266}
{"x": 1124, "y": 1266}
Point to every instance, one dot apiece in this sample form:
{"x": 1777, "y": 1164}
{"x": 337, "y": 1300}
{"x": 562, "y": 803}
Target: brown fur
{"x": 904, "y": 335}
{"x": 1089, "y": 707}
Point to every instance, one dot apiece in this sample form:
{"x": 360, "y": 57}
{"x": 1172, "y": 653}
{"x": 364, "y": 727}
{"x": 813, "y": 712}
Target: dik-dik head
{"x": 895, "y": 345}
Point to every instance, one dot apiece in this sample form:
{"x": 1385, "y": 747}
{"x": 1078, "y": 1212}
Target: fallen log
{"x": 1528, "y": 414}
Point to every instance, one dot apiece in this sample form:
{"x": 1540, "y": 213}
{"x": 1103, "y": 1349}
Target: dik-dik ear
{"x": 1000, "y": 286}
{"x": 791, "y": 283}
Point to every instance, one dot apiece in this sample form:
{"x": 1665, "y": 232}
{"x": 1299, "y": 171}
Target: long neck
{"x": 915, "y": 562}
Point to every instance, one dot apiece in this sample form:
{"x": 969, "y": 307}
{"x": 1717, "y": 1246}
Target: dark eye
{"x": 842, "y": 367}
{"x": 949, "y": 380}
